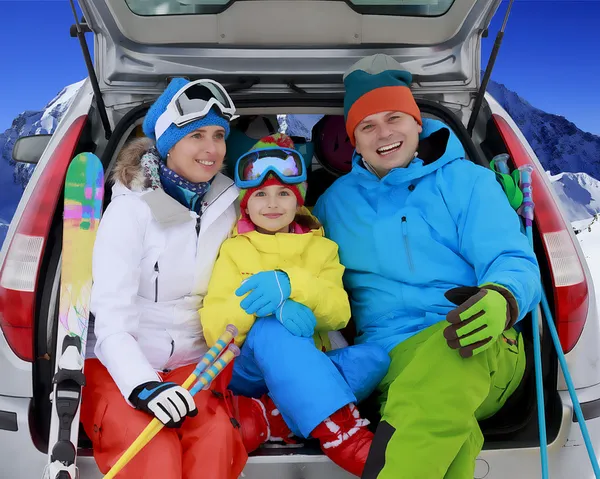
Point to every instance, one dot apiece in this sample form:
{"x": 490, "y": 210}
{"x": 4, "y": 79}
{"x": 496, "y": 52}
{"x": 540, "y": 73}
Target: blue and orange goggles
{"x": 253, "y": 167}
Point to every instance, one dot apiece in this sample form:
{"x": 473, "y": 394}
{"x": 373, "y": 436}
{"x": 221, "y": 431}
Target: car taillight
{"x": 19, "y": 275}
{"x": 570, "y": 288}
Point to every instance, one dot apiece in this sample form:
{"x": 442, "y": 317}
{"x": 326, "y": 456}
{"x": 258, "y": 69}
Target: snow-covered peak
{"x": 579, "y": 194}
{"x": 54, "y": 110}
{"x": 557, "y": 142}
{"x": 14, "y": 176}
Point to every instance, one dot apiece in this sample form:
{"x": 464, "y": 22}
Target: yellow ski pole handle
{"x": 154, "y": 427}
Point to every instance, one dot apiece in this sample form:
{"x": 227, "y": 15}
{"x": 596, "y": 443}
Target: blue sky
{"x": 547, "y": 56}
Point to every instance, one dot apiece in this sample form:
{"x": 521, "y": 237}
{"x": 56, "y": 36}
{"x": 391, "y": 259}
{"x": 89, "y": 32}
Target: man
{"x": 438, "y": 272}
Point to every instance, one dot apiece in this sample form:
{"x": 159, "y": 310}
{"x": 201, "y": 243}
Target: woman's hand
{"x": 168, "y": 402}
{"x": 268, "y": 291}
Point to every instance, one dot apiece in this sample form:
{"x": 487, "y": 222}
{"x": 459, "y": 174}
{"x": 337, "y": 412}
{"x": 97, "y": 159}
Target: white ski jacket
{"x": 152, "y": 262}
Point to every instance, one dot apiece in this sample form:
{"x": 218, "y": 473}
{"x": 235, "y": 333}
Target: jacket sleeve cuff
{"x": 300, "y": 281}
{"x": 513, "y": 306}
{"x": 125, "y": 362}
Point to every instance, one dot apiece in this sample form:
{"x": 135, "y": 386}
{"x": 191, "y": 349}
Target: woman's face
{"x": 198, "y": 156}
{"x": 272, "y": 209}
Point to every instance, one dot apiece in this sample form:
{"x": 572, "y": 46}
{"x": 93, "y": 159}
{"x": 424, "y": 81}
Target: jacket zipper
{"x": 407, "y": 245}
{"x": 208, "y": 205}
{"x": 156, "y": 272}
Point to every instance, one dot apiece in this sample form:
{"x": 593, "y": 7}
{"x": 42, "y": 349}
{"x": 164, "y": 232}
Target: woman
{"x": 156, "y": 246}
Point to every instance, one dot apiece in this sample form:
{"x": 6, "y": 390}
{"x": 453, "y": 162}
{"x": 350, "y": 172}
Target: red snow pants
{"x": 205, "y": 446}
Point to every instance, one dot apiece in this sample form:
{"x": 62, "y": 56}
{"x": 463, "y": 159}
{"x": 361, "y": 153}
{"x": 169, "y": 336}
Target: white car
{"x": 286, "y": 57}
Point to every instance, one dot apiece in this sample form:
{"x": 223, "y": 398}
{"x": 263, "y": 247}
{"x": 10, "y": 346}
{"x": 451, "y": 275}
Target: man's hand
{"x": 483, "y": 314}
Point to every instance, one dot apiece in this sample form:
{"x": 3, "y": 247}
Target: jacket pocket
{"x": 409, "y": 259}
{"x": 172, "y": 348}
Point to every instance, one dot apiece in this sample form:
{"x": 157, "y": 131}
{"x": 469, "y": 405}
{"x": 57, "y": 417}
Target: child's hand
{"x": 297, "y": 318}
{"x": 268, "y": 291}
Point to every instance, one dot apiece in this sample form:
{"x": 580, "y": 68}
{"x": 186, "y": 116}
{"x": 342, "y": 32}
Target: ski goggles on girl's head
{"x": 253, "y": 167}
{"x": 193, "y": 102}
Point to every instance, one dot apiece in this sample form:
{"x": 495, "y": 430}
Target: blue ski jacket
{"x": 406, "y": 239}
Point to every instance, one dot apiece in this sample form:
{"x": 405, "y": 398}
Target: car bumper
{"x": 567, "y": 455}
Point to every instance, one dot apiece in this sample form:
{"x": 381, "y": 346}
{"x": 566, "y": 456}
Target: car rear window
{"x": 420, "y": 8}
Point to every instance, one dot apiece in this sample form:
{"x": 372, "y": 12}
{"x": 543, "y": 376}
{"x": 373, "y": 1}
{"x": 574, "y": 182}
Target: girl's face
{"x": 272, "y": 209}
{"x": 198, "y": 156}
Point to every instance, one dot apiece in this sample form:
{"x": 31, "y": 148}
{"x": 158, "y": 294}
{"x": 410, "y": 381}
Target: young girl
{"x": 279, "y": 280}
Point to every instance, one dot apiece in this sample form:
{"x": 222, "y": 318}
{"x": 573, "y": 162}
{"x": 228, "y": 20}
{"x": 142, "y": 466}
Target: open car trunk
{"x": 305, "y": 44}
{"x": 514, "y": 426}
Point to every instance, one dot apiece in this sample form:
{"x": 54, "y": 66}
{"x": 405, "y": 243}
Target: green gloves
{"x": 482, "y": 315}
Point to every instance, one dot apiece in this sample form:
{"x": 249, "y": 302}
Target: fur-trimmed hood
{"x": 128, "y": 170}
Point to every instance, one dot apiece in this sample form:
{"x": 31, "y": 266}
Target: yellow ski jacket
{"x": 311, "y": 262}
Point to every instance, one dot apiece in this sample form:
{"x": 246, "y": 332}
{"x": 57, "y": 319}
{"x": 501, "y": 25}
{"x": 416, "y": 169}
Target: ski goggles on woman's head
{"x": 193, "y": 102}
{"x": 253, "y": 167}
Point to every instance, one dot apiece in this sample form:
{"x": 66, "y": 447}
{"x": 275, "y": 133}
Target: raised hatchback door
{"x": 141, "y": 42}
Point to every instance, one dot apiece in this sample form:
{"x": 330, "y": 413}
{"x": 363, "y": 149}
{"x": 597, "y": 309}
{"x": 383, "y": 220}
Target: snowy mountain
{"x": 569, "y": 155}
{"x": 579, "y": 194}
{"x": 558, "y": 143}
{"x": 14, "y": 176}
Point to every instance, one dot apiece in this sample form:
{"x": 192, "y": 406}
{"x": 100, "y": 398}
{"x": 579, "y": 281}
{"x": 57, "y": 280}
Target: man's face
{"x": 387, "y": 140}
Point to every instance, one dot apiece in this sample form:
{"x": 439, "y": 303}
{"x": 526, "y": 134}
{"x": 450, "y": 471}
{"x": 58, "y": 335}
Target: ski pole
{"x": 204, "y": 381}
{"x": 528, "y": 214}
{"x": 501, "y": 161}
{"x": 567, "y": 375}
{"x": 526, "y": 211}
{"x": 155, "y": 425}
{"x": 211, "y": 355}
{"x": 509, "y": 182}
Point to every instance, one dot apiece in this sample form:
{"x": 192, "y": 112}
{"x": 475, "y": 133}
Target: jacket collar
{"x": 286, "y": 244}
{"x": 167, "y": 211}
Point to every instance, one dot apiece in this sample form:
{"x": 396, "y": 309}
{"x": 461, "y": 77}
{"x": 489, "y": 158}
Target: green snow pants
{"x": 432, "y": 400}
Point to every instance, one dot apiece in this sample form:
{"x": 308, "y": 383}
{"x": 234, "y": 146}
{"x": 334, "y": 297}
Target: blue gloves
{"x": 268, "y": 291}
{"x": 268, "y": 294}
{"x": 297, "y": 318}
